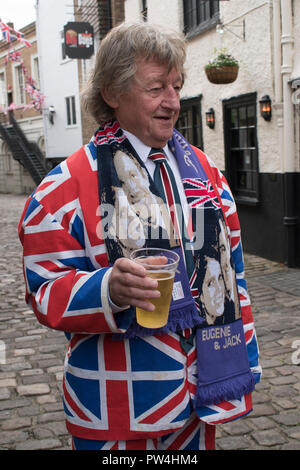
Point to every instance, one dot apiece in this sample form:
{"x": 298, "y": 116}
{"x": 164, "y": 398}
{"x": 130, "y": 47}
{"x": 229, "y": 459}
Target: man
{"x": 127, "y": 387}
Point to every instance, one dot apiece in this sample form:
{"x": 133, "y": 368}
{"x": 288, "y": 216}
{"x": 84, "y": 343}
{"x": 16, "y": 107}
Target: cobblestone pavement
{"x": 31, "y": 367}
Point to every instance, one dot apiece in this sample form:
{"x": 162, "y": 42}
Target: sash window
{"x": 241, "y": 149}
{"x": 199, "y": 15}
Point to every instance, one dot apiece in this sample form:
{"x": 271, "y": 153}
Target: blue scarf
{"x": 206, "y": 298}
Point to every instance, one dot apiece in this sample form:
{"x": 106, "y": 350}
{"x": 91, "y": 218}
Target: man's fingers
{"x": 136, "y": 293}
{"x": 130, "y": 285}
{"x": 137, "y": 297}
{"x": 154, "y": 260}
{"x": 131, "y": 280}
{"x": 127, "y": 266}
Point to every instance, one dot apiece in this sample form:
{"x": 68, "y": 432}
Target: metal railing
{"x": 26, "y": 153}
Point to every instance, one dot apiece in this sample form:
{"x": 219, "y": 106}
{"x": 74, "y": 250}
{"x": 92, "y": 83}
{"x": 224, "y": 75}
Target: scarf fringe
{"x": 232, "y": 388}
{"x": 180, "y": 319}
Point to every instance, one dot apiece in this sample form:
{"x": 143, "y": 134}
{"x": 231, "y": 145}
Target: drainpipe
{"x": 277, "y": 51}
{"x": 278, "y": 104}
{"x": 289, "y": 219}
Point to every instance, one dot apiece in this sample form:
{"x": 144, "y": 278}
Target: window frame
{"x": 198, "y": 26}
{"x": 249, "y": 196}
{"x": 71, "y": 111}
{"x": 3, "y": 92}
{"x": 19, "y": 89}
{"x": 193, "y": 104}
{"x": 35, "y": 70}
{"x": 7, "y": 159}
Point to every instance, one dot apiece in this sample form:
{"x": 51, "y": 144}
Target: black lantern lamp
{"x": 266, "y": 107}
{"x": 210, "y": 118}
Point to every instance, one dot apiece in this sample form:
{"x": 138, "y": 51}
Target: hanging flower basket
{"x": 224, "y": 68}
{"x": 222, "y": 75}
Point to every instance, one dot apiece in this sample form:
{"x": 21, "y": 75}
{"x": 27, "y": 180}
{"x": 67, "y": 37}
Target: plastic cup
{"x": 164, "y": 272}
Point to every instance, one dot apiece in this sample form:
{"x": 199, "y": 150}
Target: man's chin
{"x": 163, "y": 139}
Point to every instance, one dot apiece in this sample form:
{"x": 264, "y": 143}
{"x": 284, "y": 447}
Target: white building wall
{"x": 59, "y": 78}
{"x": 296, "y": 77}
{"x": 255, "y": 75}
{"x": 168, "y": 13}
{"x": 163, "y": 12}
{"x": 133, "y": 10}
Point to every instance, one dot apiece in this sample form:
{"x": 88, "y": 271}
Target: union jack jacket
{"x": 112, "y": 389}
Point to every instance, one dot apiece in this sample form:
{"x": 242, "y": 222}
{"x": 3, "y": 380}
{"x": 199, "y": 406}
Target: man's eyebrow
{"x": 148, "y": 82}
{"x": 155, "y": 78}
{"x": 159, "y": 79}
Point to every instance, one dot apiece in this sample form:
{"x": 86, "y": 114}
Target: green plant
{"x": 221, "y": 59}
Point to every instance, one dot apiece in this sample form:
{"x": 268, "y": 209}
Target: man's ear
{"x": 110, "y": 98}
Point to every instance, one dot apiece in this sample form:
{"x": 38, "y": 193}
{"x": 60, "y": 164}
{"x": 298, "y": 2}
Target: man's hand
{"x": 130, "y": 285}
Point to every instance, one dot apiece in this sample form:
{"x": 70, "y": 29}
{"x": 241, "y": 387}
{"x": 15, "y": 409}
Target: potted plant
{"x": 223, "y": 68}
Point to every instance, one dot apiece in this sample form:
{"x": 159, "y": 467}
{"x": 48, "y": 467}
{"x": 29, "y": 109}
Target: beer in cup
{"x": 161, "y": 265}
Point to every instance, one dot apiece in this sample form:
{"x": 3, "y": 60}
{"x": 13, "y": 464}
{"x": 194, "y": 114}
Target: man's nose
{"x": 171, "y": 99}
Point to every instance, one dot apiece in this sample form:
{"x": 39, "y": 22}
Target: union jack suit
{"x": 128, "y": 389}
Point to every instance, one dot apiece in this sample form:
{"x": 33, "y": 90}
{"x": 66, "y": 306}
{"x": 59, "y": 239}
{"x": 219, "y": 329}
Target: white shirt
{"x": 143, "y": 152}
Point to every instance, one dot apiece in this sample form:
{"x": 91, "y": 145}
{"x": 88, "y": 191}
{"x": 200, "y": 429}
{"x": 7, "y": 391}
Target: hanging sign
{"x": 79, "y": 40}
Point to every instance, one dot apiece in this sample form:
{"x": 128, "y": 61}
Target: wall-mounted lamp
{"x": 266, "y": 107}
{"x": 51, "y": 114}
{"x": 210, "y": 118}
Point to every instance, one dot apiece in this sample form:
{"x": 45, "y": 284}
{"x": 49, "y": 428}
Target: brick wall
{"x": 13, "y": 177}
{"x": 26, "y": 55}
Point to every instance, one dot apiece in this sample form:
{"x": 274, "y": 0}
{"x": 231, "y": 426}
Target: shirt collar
{"x": 139, "y": 146}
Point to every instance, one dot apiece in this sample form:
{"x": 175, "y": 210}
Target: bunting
{"x": 9, "y": 34}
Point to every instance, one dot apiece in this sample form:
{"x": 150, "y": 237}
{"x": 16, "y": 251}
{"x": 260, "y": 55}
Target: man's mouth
{"x": 163, "y": 118}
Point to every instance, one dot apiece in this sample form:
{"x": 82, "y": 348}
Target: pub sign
{"x": 79, "y": 40}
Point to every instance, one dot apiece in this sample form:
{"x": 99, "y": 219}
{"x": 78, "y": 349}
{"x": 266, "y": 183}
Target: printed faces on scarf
{"x": 151, "y": 107}
{"x": 213, "y": 291}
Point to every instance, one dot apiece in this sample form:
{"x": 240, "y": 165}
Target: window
{"x": 8, "y": 163}
{"x": 19, "y": 85}
{"x": 199, "y": 15}
{"x": 3, "y": 93}
{"x": 241, "y": 152}
{"x": 7, "y": 159}
{"x": 189, "y": 123}
{"x": 71, "y": 110}
{"x": 35, "y": 71}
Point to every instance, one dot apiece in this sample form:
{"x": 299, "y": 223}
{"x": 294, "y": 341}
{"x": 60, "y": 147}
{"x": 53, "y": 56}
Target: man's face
{"x": 151, "y": 107}
{"x": 134, "y": 179}
{"x": 213, "y": 294}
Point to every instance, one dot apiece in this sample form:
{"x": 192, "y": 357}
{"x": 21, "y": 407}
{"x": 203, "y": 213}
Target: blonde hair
{"x": 116, "y": 62}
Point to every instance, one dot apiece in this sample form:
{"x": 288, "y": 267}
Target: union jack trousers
{"x": 194, "y": 435}
{"x": 113, "y": 390}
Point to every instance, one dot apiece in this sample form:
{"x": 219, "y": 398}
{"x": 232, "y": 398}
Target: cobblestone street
{"x": 31, "y": 366}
